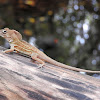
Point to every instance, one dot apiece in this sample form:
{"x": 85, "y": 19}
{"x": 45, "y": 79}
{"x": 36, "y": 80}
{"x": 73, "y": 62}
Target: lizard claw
{"x": 3, "y": 51}
{"x": 40, "y": 66}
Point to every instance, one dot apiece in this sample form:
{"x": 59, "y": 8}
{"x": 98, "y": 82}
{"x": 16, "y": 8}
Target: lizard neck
{"x": 14, "y": 41}
{"x": 10, "y": 41}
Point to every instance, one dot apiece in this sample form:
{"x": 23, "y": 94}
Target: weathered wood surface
{"x": 20, "y": 79}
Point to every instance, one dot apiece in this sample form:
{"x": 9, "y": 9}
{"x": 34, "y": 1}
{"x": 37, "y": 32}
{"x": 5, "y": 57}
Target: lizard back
{"x": 24, "y": 47}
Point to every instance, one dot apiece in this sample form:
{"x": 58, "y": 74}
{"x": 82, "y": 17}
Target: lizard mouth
{"x": 7, "y": 37}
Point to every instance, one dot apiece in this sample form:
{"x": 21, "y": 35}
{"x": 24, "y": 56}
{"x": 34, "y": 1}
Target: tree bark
{"x": 21, "y": 79}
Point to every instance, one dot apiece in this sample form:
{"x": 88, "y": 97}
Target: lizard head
{"x": 10, "y": 35}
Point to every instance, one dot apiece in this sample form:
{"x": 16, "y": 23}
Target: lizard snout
{"x": 1, "y": 33}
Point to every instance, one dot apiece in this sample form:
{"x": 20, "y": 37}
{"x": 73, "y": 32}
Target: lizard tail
{"x": 49, "y": 60}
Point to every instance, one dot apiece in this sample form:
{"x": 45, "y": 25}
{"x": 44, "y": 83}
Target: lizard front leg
{"x": 34, "y": 56}
{"x": 9, "y": 50}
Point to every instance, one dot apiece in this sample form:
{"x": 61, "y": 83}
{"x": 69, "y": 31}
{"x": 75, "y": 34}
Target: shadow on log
{"x": 20, "y": 79}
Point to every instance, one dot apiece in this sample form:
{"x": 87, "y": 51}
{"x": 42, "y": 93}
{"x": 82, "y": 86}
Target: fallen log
{"x": 21, "y": 79}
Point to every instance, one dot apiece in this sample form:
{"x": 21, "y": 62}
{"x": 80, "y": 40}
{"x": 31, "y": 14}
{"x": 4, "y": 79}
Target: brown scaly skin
{"x": 19, "y": 45}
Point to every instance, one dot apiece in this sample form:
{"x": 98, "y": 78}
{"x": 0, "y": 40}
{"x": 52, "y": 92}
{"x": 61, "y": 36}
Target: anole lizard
{"x": 19, "y": 45}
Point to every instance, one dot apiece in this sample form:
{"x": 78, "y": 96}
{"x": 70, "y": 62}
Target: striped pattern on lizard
{"x": 19, "y": 45}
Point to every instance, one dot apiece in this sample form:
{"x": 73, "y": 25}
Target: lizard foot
{"x": 40, "y": 66}
{"x": 3, "y": 51}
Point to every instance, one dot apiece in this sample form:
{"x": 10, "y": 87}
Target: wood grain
{"x": 21, "y": 79}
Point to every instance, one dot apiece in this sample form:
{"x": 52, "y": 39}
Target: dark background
{"x": 66, "y": 30}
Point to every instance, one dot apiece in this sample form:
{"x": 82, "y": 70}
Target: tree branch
{"x": 20, "y": 79}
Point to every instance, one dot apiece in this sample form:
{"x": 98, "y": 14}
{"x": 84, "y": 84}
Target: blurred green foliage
{"x": 69, "y": 35}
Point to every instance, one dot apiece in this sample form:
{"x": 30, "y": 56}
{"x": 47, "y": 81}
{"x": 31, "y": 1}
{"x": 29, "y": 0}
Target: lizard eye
{"x": 4, "y": 31}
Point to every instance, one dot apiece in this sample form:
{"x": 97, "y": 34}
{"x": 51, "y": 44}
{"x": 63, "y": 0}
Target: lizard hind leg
{"x": 34, "y": 56}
